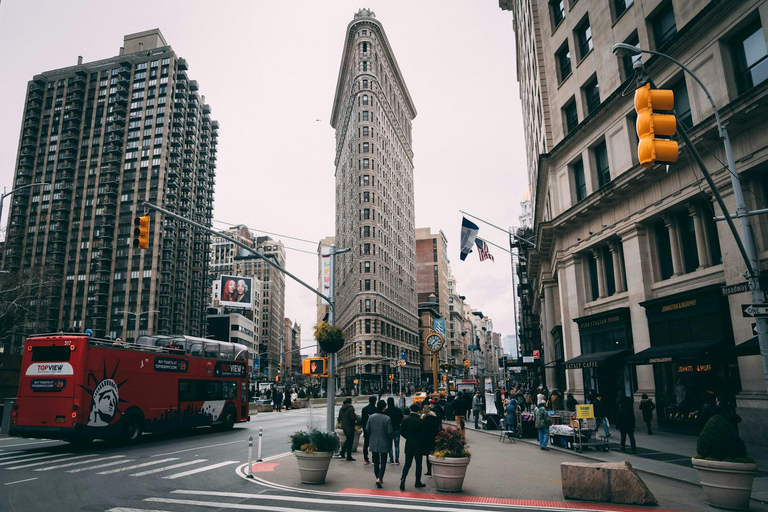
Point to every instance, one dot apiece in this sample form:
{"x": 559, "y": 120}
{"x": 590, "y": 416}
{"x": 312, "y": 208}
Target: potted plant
{"x": 313, "y": 451}
{"x": 449, "y": 460}
{"x": 725, "y": 471}
{"x": 356, "y": 439}
{"x": 330, "y": 338}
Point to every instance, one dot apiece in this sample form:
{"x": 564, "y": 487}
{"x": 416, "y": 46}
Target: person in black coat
{"x": 277, "y": 400}
{"x": 625, "y": 422}
{"x": 647, "y": 406}
{"x": 432, "y": 427}
{"x": 396, "y": 415}
{"x": 460, "y": 407}
{"x": 412, "y": 429}
{"x": 366, "y": 413}
{"x": 570, "y": 402}
{"x": 348, "y": 419}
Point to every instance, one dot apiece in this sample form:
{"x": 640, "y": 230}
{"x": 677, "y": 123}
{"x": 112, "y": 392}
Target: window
{"x": 750, "y": 60}
{"x": 620, "y": 6}
{"x": 594, "y": 288}
{"x": 367, "y": 286}
{"x": 592, "y": 95}
{"x": 663, "y": 23}
{"x": 563, "y": 57}
{"x": 365, "y": 99}
{"x": 584, "y": 37}
{"x": 365, "y": 115}
{"x": 682, "y": 104}
{"x": 579, "y": 183}
{"x": 610, "y": 277}
{"x": 601, "y": 163}
{"x": 663, "y": 250}
{"x": 628, "y": 61}
{"x": 688, "y": 241}
{"x": 571, "y": 116}
{"x": 558, "y": 12}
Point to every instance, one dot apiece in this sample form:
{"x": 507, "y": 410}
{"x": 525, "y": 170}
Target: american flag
{"x": 482, "y": 250}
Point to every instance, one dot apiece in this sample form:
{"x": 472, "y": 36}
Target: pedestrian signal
{"x": 651, "y": 125}
{"x": 141, "y": 232}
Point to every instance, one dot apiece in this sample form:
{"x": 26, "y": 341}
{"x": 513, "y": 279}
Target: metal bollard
{"x": 250, "y": 457}
{"x": 260, "y": 435}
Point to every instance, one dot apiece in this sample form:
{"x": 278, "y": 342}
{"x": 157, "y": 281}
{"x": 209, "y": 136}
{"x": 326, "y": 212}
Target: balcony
{"x": 179, "y": 105}
{"x": 181, "y": 64}
{"x": 70, "y": 135}
{"x": 114, "y": 138}
{"x": 121, "y": 91}
{"x": 112, "y": 149}
{"x": 111, "y": 158}
{"x": 32, "y": 123}
{"x": 119, "y": 107}
{"x": 121, "y": 101}
{"x": 116, "y": 128}
{"x": 28, "y": 142}
{"x": 26, "y": 163}
{"x": 124, "y": 70}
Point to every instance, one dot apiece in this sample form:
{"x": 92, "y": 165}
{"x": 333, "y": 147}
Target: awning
{"x": 750, "y": 347}
{"x": 667, "y": 353}
{"x": 595, "y": 360}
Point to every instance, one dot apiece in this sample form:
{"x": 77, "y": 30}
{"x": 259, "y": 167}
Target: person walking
{"x": 380, "y": 428}
{"x": 277, "y": 400}
{"x": 601, "y": 415}
{"x": 477, "y": 406}
{"x": 459, "y": 412}
{"x": 396, "y": 415}
{"x": 347, "y": 418}
{"x": 412, "y": 429}
{"x": 366, "y": 413}
{"x": 556, "y": 400}
{"x": 432, "y": 427}
{"x": 625, "y": 422}
{"x": 570, "y": 402}
{"x": 542, "y": 421}
{"x": 647, "y": 406}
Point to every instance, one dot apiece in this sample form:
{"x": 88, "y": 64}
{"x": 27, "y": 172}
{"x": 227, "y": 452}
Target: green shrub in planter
{"x": 449, "y": 443}
{"x": 314, "y": 441}
{"x": 719, "y": 440}
{"x": 330, "y": 338}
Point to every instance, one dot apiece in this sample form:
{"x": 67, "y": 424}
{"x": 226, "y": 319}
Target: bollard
{"x": 250, "y": 457}
{"x": 260, "y": 434}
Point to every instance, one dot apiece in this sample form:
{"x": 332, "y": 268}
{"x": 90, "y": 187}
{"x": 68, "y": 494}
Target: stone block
{"x": 613, "y": 482}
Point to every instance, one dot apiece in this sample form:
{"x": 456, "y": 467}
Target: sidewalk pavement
{"x": 499, "y": 473}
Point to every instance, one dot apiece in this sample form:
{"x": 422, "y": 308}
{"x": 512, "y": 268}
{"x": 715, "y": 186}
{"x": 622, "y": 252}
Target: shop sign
{"x": 602, "y": 321}
{"x": 690, "y": 368}
{"x": 585, "y": 411}
{"x": 579, "y": 365}
{"x": 678, "y": 305}
{"x": 660, "y": 360}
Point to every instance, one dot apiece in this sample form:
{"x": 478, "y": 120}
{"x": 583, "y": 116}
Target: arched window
{"x": 365, "y": 99}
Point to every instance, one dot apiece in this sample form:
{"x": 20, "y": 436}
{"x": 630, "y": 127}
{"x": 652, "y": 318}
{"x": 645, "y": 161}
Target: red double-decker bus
{"x": 78, "y": 388}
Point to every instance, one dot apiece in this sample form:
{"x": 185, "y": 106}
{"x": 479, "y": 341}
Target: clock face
{"x": 434, "y": 342}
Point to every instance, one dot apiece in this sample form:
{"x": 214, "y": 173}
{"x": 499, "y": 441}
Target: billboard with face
{"x": 236, "y": 292}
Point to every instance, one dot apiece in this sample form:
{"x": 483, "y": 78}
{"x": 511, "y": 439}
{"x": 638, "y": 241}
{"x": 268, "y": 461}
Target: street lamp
{"x": 136, "y": 316}
{"x": 745, "y": 242}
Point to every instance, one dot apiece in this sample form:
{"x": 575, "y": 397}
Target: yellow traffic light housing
{"x": 651, "y": 125}
{"x": 317, "y": 366}
{"x": 141, "y": 232}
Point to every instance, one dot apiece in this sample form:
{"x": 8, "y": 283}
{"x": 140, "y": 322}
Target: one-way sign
{"x": 753, "y": 310}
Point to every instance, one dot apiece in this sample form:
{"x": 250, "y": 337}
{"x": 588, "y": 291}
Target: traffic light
{"x": 279, "y": 367}
{"x": 650, "y": 125}
{"x": 466, "y": 363}
{"x": 277, "y": 379}
{"x": 141, "y": 232}
{"x": 316, "y": 366}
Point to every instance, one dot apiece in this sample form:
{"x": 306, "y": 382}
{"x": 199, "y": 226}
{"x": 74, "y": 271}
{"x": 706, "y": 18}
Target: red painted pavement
{"x": 264, "y": 467}
{"x": 565, "y": 505}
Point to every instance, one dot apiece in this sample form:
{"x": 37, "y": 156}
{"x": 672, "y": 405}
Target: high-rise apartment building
{"x": 628, "y": 270}
{"x": 103, "y": 137}
{"x": 376, "y": 282}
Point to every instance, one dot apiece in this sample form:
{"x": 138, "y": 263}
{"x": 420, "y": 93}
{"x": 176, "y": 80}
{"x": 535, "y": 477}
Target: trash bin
{"x": 6, "y": 413}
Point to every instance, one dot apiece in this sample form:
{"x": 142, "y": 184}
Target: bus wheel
{"x": 133, "y": 429}
{"x": 229, "y": 419}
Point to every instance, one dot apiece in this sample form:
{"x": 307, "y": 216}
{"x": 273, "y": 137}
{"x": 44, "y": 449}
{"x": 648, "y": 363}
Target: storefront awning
{"x": 750, "y": 347}
{"x": 595, "y": 360}
{"x": 666, "y": 353}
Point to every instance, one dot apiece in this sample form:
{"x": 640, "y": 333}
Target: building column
{"x": 677, "y": 262}
{"x": 570, "y": 279}
{"x": 550, "y": 288}
{"x": 701, "y": 237}
{"x": 614, "y": 246}
{"x": 601, "y": 288}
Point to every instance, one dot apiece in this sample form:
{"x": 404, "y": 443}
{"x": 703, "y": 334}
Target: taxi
{"x": 419, "y": 397}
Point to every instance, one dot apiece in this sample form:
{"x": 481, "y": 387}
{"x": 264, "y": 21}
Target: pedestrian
{"x": 347, "y": 418}
{"x": 459, "y": 412}
{"x": 647, "y": 406}
{"x": 401, "y": 400}
{"x": 709, "y": 410}
{"x": 396, "y": 415}
{"x": 412, "y": 429}
{"x": 477, "y": 406}
{"x": 625, "y": 422}
{"x": 556, "y": 400}
{"x": 287, "y": 399}
{"x": 541, "y": 396}
{"x": 570, "y": 402}
{"x": 380, "y": 428}
{"x": 726, "y": 409}
{"x": 432, "y": 427}
{"x": 528, "y": 400}
{"x": 511, "y": 418}
{"x": 542, "y": 421}
{"x": 601, "y": 414}
{"x": 277, "y": 400}
{"x": 367, "y": 411}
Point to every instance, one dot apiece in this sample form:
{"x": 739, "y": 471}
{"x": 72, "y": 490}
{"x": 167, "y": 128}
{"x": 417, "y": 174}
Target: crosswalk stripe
{"x": 166, "y": 468}
{"x": 48, "y": 462}
{"x": 123, "y": 509}
{"x": 3, "y": 454}
{"x": 4, "y": 460}
{"x": 99, "y": 466}
{"x": 135, "y": 466}
{"x": 200, "y": 470}
{"x": 68, "y": 464}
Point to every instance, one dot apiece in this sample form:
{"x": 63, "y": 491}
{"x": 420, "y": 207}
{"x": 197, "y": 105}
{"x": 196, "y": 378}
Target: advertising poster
{"x": 236, "y": 292}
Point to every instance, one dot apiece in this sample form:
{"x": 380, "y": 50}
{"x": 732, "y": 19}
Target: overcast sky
{"x": 268, "y": 69}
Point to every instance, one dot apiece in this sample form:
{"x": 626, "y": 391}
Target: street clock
{"x": 435, "y": 341}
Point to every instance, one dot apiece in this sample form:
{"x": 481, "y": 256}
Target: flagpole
{"x": 500, "y": 229}
{"x": 493, "y": 244}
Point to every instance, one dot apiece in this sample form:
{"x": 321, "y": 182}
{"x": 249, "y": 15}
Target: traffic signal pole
{"x": 745, "y": 242}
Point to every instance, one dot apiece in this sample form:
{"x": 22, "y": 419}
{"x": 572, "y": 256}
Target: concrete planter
{"x": 355, "y": 441}
{"x": 449, "y": 472}
{"x": 300, "y": 403}
{"x": 313, "y": 467}
{"x": 726, "y": 484}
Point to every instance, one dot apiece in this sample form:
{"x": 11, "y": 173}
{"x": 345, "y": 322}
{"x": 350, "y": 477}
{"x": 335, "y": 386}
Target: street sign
{"x": 753, "y": 310}
{"x": 527, "y": 359}
{"x": 733, "y": 289}
{"x": 754, "y": 329}
{"x": 403, "y": 356}
{"x": 585, "y": 411}
{"x": 393, "y": 363}
{"x": 536, "y": 354}
{"x": 473, "y": 370}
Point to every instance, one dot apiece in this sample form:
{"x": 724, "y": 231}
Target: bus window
{"x": 50, "y": 354}
{"x": 226, "y": 351}
{"x": 242, "y": 355}
{"x": 211, "y": 350}
{"x": 195, "y": 349}
{"x": 213, "y": 390}
{"x": 187, "y": 390}
{"x": 230, "y": 390}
